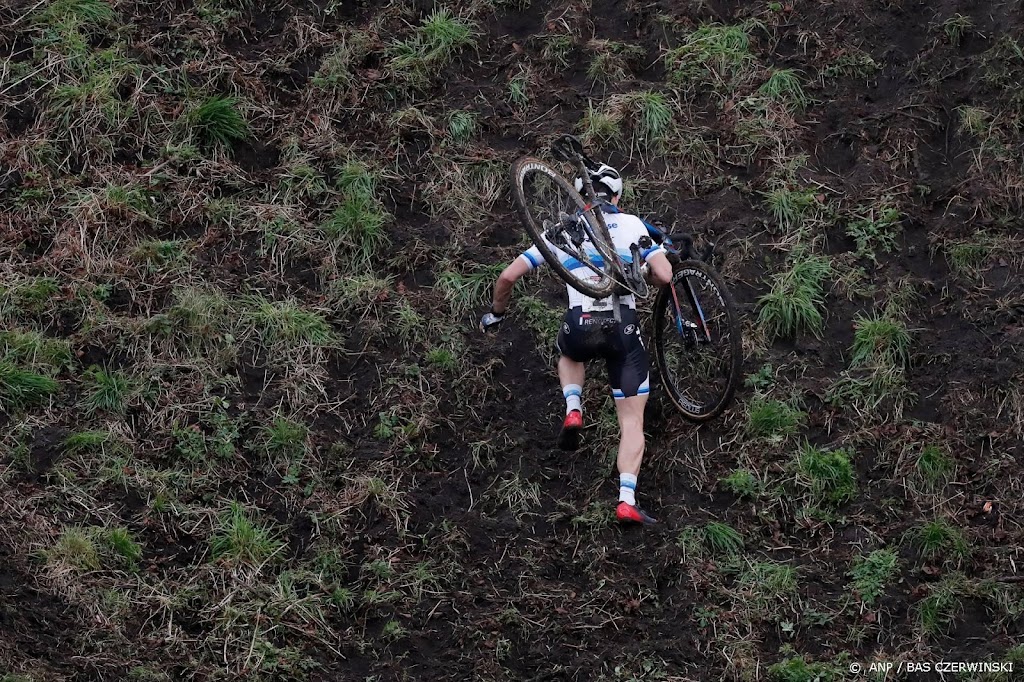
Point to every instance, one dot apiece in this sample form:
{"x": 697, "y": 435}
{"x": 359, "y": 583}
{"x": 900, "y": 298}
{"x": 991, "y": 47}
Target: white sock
{"x": 573, "y": 394}
{"x": 627, "y": 488}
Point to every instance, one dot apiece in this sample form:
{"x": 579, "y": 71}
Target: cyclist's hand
{"x": 491, "y": 319}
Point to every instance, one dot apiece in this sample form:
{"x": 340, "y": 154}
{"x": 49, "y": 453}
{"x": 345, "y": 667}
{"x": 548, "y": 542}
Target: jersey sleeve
{"x": 657, "y": 235}
{"x": 533, "y": 257}
{"x": 644, "y": 229}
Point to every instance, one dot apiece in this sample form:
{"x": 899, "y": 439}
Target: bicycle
{"x": 697, "y": 342}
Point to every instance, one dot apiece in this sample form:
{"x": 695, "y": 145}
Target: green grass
{"x": 797, "y": 298}
{"x": 934, "y": 467}
{"x": 723, "y": 539}
{"x": 106, "y": 391}
{"x": 790, "y": 207}
{"x": 289, "y": 325}
{"x": 468, "y": 290}
{"x": 284, "y": 437}
{"x": 435, "y": 43}
{"x": 713, "y": 55}
{"x": 85, "y": 11}
{"x": 35, "y": 350}
{"x": 872, "y": 573}
{"x": 239, "y": 539}
{"x": 875, "y": 228}
{"x": 75, "y": 548}
{"x": 852, "y": 63}
{"x": 359, "y": 223}
{"x": 463, "y": 126}
{"x": 600, "y": 127}
{"x": 827, "y": 475}
{"x": 937, "y": 610}
{"x": 956, "y": 27}
{"x": 356, "y": 179}
{"x": 122, "y": 545}
{"x": 519, "y": 88}
{"x": 784, "y": 86}
{"x": 204, "y": 314}
{"x": 768, "y": 582}
{"x": 557, "y": 48}
{"x": 969, "y": 255}
{"x": 880, "y": 341}
{"x": 217, "y": 121}
{"x": 654, "y": 115}
{"x": 20, "y": 388}
{"x": 158, "y": 255}
{"x": 773, "y": 419}
{"x": 938, "y": 539}
{"x": 611, "y": 60}
{"x": 796, "y": 669}
{"x": 742, "y": 483}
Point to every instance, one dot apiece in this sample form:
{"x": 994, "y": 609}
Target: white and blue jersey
{"x": 625, "y": 230}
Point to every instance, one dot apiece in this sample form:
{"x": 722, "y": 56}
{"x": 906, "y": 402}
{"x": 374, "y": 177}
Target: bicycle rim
{"x": 543, "y": 198}
{"x": 698, "y": 345}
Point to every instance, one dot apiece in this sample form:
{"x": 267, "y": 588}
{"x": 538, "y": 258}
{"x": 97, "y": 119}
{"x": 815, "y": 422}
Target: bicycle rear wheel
{"x": 544, "y": 199}
{"x": 697, "y": 341}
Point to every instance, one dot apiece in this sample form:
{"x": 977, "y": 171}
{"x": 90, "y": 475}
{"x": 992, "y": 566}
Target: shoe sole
{"x": 569, "y": 438}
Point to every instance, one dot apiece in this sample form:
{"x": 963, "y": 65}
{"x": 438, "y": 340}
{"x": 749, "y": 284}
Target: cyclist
{"x": 590, "y": 330}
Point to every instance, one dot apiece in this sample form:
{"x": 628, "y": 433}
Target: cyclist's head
{"x": 606, "y": 180}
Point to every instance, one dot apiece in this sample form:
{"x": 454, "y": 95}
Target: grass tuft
{"x": 239, "y": 539}
{"x": 462, "y": 126}
{"x": 85, "y": 11}
{"x": 828, "y": 475}
{"x": 106, "y": 391}
{"x": 714, "y": 55}
{"x": 217, "y": 121}
{"x": 773, "y": 419}
{"x": 721, "y": 538}
{"x": 875, "y": 228}
{"x": 938, "y": 538}
{"x": 742, "y": 483}
{"x": 934, "y": 467}
{"x": 880, "y": 341}
{"x": 871, "y": 573}
{"x": 76, "y": 549}
{"x": 797, "y": 298}
{"x": 784, "y": 86}
{"x": 20, "y": 388}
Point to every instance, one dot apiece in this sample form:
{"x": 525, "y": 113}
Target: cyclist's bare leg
{"x": 630, "y": 412}
{"x": 570, "y": 372}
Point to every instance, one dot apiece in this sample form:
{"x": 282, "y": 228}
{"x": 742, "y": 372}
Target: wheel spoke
{"x": 696, "y": 345}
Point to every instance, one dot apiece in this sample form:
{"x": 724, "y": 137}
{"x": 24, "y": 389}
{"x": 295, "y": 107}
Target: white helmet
{"x": 606, "y": 181}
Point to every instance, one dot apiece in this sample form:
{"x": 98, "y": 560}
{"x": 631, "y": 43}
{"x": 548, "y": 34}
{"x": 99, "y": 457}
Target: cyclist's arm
{"x": 661, "y": 269}
{"x": 529, "y": 260}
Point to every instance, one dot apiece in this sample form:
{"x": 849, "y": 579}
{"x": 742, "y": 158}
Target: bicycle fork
{"x": 691, "y": 327}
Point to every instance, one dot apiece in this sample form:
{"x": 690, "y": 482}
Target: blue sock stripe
{"x": 568, "y": 393}
{"x": 627, "y": 484}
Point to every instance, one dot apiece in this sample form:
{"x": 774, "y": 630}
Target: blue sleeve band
{"x": 533, "y": 263}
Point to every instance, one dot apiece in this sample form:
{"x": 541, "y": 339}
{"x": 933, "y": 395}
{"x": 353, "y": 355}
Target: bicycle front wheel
{"x": 547, "y": 205}
{"x": 697, "y": 341}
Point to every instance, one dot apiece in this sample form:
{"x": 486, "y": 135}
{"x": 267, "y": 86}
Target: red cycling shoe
{"x": 572, "y": 428}
{"x": 630, "y": 513}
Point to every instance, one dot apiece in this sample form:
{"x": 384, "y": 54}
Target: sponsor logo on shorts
{"x": 630, "y": 328}
{"x": 565, "y": 327}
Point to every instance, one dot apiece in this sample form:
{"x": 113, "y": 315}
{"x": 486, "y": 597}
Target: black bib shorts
{"x": 588, "y": 336}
